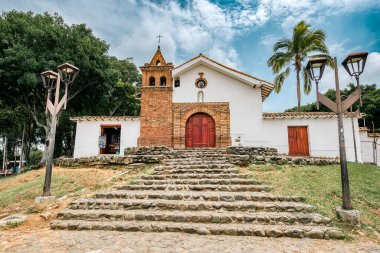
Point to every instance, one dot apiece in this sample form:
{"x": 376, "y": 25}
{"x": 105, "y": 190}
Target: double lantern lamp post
{"x": 354, "y": 65}
{"x": 52, "y": 81}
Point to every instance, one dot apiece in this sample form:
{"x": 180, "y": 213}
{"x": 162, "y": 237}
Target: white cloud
{"x": 197, "y": 27}
{"x": 268, "y": 40}
{"x": 369, "y": 76}
{"x": 190, "y": 28}
{"x": 290, "y": 12}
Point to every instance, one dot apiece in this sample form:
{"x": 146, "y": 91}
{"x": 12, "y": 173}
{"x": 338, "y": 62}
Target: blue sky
{"x": 240, "y": 33}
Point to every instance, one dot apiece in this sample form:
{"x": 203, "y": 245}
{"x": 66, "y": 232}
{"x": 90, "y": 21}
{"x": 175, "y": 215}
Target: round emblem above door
{"x": 201, "y": 82}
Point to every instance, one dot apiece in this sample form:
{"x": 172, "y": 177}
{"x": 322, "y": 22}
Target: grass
{"x": 321, "y": 186}
{"x": 17, "y": 193}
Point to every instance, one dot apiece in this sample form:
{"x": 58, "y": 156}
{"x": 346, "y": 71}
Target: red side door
{"x": 298, "y": 141}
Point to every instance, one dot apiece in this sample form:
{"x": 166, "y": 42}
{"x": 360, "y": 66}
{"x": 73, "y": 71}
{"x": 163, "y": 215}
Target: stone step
{"x": 194, "y": 176}
{"x": 195, "y": 154}
{"x": 200, "y": 151}
{"x": 189, "y": 167}
{"x": 194, "y": 163}
{"x": 204, "y": 187}
{"x": 294, "y": 231}
{"x": 194, "y": 171}
{"x": 202, "y": 148}
{"x": 271, "y": 218}
{"x": 216, "y": 158}
{"x": 159, "y": 204}
{"x": 206, "y": 181}
{"x": 195, "y": 196}
{"x": 197, "y": 159}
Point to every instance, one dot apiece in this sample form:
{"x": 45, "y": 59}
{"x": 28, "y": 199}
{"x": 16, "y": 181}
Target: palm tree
{"x": 293, "y": 52}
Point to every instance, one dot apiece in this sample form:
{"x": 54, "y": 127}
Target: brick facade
{"x": 162, "y": 122}
{"x": 220, "y": 112}
{"x": 156, "y": 123}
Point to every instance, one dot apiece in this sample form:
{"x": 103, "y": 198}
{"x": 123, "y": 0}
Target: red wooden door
{"x": 200, "y": 131}
{"x": 298, "y": 141}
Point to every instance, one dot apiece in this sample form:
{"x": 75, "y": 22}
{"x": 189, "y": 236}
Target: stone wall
{"x": 245, "y": 160}
{"x": 251, "y": 151}
{"x": 242, "y": 156}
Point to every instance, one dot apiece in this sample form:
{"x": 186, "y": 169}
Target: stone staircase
{"x": 197, "y": 191}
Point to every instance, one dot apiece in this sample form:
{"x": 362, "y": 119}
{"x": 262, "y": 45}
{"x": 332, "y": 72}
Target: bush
{"x": 35, "y": 157}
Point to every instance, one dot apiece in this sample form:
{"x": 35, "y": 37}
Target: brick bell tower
{"x": 156, "y": 119}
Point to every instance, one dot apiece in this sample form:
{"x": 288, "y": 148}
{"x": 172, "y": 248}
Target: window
{"x": 200, "y": 97}
{"x": 152, "y": 81}
{"x": 158, "y": 63}
{"x": 162, "y": 81}
{"x": 177, "y": 83}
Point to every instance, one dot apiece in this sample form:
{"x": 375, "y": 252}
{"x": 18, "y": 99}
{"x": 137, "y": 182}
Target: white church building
{"x": 203, "y": 103}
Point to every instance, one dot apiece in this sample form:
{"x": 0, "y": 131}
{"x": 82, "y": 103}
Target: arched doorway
{"x": 200, "y": 131}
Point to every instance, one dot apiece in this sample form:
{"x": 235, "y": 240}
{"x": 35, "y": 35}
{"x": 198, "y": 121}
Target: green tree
{"x": 370, "y": 97}
{"x": 122, "y": 96}
{"x": 32, "y": 43}
{"x": 293, "y": 52}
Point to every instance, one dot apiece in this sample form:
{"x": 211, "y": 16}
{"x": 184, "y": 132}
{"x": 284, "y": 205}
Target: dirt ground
{"x": 67, "y": 181}
{"x": 34, "y": 235}
{"x": 93, "y": 175}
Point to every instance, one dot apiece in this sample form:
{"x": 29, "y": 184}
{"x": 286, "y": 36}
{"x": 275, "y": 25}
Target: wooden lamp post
{"x": 315, "y": 69}
{"x": 52, "y": 80}
{"x": 354, "y": 65}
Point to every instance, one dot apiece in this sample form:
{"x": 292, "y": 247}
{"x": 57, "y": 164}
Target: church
{"x": 203, "y": 103}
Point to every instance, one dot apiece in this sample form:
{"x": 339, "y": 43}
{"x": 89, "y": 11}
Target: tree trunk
{"x": 46, "y": 149}
{"x": 28, "y": 138}
{"x": 72, "y": 141}
{"x": 22, "y": 152}
{"x": 298, "y": 89}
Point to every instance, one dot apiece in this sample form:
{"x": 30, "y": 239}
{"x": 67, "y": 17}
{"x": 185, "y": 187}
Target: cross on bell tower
{"x": 159, "y": 39}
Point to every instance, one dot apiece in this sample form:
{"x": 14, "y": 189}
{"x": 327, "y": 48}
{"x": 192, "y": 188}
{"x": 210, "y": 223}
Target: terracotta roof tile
{"x": 291, "y": 115}
{"x": 104, "y": 118}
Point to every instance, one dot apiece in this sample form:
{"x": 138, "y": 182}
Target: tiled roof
{"x": 266, "y": 88}
{"x": 373, "y": 134}
{"x": 299, "y": 115}
{"x": 104, "y": 118}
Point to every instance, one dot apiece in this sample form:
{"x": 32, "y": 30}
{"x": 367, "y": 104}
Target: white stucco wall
{"x": 88, "y": 132}
{"x": 322, "y": 132}
{"x": 244, "y": 100}
{"x": 367, "y": 148}
{"x": 246, "y": 116}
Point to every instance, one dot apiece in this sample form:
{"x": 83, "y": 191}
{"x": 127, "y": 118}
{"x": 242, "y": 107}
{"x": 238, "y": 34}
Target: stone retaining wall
{"x": 245, "y": 160}
{"x": 148, "y": 151}
{"x": 251, "y": 151}
{"x": 104, "y": 160}
{"x": 242, "y": 156}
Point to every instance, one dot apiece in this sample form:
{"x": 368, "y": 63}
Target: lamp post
{"x": 52, "y": 80}
{"x": 315, "y": 69}
{"x": 354, "y": 65}
{"x": 353, "y": 130}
